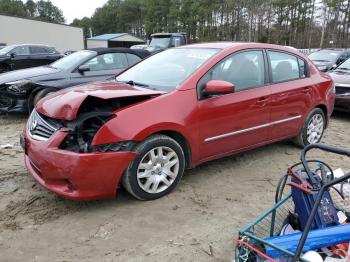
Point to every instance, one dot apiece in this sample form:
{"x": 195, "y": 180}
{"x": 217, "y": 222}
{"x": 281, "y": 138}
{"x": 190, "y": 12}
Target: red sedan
{"x": 173, "y": 111}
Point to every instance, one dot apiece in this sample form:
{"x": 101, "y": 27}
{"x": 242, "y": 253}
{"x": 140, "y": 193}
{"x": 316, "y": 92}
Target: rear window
{"x": 284, "y": 67}
{"x": 38, "y": 50}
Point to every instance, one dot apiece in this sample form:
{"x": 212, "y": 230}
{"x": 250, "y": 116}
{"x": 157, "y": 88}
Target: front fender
{"x": 170, "y": 112}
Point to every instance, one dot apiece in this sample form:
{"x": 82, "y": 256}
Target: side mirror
{"x": 218, "y": 87}
{"x": 12, "y": 55}
{"x": 84, "y": 68}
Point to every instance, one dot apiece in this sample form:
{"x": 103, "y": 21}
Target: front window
{"x": 71, "y": 60}
{"x": 162, "y": 42}
{"x": 244, "y": 70}
{"x": 110, "y": 61}
{"x": 166, "y": 70}
{"x": 21, "y": 50}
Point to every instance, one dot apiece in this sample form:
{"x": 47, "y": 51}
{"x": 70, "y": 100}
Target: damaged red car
{"x": 173, "y": 111}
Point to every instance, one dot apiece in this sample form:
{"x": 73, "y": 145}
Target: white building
{"x": 15, "y": 30}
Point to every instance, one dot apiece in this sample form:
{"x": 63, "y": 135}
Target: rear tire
{"x": 157, "y": 168}
{"x": 313, "y": 128}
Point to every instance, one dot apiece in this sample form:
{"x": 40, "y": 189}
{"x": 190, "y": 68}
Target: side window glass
{"x": 244, "y": 70}
{"x": 21, "y": 50}
{"x": 133, "y": 59}
{"x": 174, "y": 39}
{"x": 37, "y": 50}
{"x": 302, "y": 68}
{"x": 107, "y": 62}
{"x": 49, "y": 50}
{"x": 283, "y": 66}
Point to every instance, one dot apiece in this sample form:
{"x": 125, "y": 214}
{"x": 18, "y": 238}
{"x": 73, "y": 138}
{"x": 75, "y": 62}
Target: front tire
{"x": 156, "y": 170}
{"x": 313, "y": 129}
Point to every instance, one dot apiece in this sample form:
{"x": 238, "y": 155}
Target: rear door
{"x": 101, "y": 67}
{"x": 39, "y": 55}
{"x": 291, "y": 93}
{"x": 235, "y": 121}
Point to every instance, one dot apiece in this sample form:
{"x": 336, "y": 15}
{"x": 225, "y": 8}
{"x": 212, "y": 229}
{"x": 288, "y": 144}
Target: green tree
{"x": 31, "y": 8}
{"x": 13, "y": 7}
{"x": 49, "y": 12}
{"x": 84, "y": 23}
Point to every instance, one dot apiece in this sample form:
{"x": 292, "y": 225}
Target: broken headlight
{"x": 115, "y": 147}
{"x": 83, "y": 130}
{"x": 19, "y": 87}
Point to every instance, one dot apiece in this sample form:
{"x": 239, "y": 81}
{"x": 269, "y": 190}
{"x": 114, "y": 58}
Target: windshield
{"x": 162, "y": 42}
{"x": 328, "y": 56}
{"x": 345, "y": 65}
{"x": 71, "y": 60}
{"x": 6, "y": 49}
{"x": 165, "y": 70}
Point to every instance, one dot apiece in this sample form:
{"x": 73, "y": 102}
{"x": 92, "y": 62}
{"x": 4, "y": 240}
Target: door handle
{"x": 262, "y": 101}
{"x": 306, "y": 89}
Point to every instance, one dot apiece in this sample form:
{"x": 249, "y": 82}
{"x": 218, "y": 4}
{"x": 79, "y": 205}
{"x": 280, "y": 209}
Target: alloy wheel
{"x": 158, "y": 169}
{"x": 315, "y": 129}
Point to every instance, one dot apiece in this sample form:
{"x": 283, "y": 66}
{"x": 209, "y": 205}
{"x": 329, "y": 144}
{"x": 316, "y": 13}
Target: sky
{"x": 77, "y": 8}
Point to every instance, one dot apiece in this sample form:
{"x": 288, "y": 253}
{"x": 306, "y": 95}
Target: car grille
{"x": 40, "y": 127}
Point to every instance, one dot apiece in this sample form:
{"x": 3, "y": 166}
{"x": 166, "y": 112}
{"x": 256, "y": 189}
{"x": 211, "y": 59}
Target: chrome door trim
{"x": 251, "y": 128}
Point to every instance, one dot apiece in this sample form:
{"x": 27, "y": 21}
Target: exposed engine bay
{"x": 93, "y": 113}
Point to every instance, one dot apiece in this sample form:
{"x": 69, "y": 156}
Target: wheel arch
{"x": 179, "y": 138}
{"x": 325, "y": 111}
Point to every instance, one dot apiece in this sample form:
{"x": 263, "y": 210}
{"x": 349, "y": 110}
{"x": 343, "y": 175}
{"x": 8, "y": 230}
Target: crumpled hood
{"x": 340, "y": 77}
{"x": 66, "y": 103}
{"x": 26, "y": 74}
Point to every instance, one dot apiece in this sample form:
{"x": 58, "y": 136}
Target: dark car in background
{"x": 20, "y": 90}
{"x": 326, "y": 59}
{"x": 15, "y": 57}
{"x": 341, "y": 78}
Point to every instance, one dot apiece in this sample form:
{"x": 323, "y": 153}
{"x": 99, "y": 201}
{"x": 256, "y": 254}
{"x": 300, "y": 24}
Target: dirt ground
{"x": 197, "y": 222}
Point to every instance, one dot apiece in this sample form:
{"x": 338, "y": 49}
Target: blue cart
{"x": 254, "y": 238}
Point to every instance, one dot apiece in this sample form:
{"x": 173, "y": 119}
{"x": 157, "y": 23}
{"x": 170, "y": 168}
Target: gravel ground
{"x": 197, "y": 222}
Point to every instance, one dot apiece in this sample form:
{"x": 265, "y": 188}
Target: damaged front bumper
{"x": 76, "y": 176}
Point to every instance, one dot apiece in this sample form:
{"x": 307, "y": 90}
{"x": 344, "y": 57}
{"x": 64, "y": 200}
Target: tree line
{"x": 298, "y": 23}
{"x": 40, "y": 10}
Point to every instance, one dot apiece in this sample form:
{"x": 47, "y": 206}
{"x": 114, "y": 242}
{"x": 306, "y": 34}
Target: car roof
{"x": 139, "y": 52}
{"x": 32, "y": 45}
{"x": 230, "y": 45}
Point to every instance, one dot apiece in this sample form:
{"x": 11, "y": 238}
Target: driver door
{"x": 22, "y": 58}
{"x": 236, "y": 121}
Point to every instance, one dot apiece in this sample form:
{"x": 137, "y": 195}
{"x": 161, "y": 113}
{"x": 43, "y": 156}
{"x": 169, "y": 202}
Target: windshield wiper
{"x": 133, "y": 83}
{"x": 343, "y": 68}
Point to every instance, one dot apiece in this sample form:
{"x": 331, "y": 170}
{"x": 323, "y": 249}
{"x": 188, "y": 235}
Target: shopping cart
{"x": 254, "y": 238}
